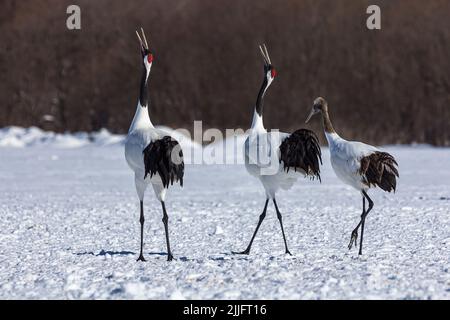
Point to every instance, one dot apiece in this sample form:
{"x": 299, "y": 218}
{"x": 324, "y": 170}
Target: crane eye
{"x": 150, "y": 58}
{"x": 273, "y": 73}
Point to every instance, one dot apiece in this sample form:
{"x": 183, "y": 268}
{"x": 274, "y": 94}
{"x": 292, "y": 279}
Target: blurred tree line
{"x": 386, "y": 86}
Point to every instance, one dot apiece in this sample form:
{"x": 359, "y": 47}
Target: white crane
{"x": 154, "y": 156}
{"x": 357, "y": 164}
{"x": 277, "y": 159}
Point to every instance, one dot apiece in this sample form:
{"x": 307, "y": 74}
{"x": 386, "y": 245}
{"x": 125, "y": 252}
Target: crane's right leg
{"x": 261, "y": 218}
{"x": 354, "y": 237}
{"x": 140, "y": 189}
{"x": 165, "y": 220}
{"x": 141, "y": 220}
{"x": 280, "y": 218}
{"x": 363, "y": 220}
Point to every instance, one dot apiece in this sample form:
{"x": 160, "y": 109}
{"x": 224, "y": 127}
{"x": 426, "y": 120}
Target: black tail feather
{"x": 165, "y": 157}
{"x": 380, "y": 169}
{"x": 301, "y": 151}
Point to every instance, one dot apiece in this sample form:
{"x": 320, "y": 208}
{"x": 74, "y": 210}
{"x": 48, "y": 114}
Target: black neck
{"x": 260, "y": 99}
{"x": 143, "y": 95}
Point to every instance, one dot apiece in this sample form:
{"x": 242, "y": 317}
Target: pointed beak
{"x": 310, "y": 116}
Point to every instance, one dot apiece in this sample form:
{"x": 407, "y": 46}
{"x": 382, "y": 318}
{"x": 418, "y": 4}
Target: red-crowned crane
{"x": 277, "y": 159}
{"x": 154, "y": 156}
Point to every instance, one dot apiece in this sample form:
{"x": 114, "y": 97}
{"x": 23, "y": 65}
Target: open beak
{"x": 310, "y": 116}
{"x": 144, "y": 44}
{"x": 265, "y": 54}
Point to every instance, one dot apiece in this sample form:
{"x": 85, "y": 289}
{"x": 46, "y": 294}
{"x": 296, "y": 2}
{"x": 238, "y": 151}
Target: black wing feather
{"x": 164, "y": 157}
{"x": 380, "y": 169}
{"x": 301, "y": 151}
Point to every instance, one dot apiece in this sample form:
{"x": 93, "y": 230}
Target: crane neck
{"x": 257, "y": 123}
{"x": 143, "y": 90}
{"x": 141, "y": 119}
{"x": 327, "y": 125}
{"x": 260, "y": 99}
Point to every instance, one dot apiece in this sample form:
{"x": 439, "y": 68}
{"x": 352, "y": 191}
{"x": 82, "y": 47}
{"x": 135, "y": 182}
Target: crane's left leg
{"x": 165, "y": 220}
{"x": 354, "y": 237}
{"x": 363, "y": 219}
{"x": 141, "y": 220}
{"x": 280, "y": 218}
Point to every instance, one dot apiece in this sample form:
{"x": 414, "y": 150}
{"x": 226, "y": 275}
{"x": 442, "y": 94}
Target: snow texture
{"x": 69, "y": 228}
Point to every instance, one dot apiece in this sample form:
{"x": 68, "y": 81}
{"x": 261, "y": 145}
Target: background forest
{"x": 384, "y": 87}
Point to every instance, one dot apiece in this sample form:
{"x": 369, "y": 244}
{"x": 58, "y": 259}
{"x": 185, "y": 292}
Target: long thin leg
{"x": 261, "y": 218}
{"x": 280, "y": 218}
{"x": 141, "y": 220}
{"x": 354, "y": 237}
{"x": 363, "y": 219}
{"x": 165, "y": 220}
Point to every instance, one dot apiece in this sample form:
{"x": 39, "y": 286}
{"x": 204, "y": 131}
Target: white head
{"x": 147, "y": 56}
{"x": 269, "y": 71}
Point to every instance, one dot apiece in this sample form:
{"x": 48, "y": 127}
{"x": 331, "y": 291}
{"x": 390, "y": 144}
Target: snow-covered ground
{"x": 69, "y": 229}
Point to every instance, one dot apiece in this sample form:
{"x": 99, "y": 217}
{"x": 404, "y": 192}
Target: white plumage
{"x": 153, "y": 156}
{"x": 137, "y": 140}
{"x": 262, "y": 159}
{"x": 357, "y": 164}
{"x": 277, "y": 159}
{"x": 346, "y": 158}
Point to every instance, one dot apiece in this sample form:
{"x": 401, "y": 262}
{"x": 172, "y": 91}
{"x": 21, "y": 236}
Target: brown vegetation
{"x": 387, "y": 86}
